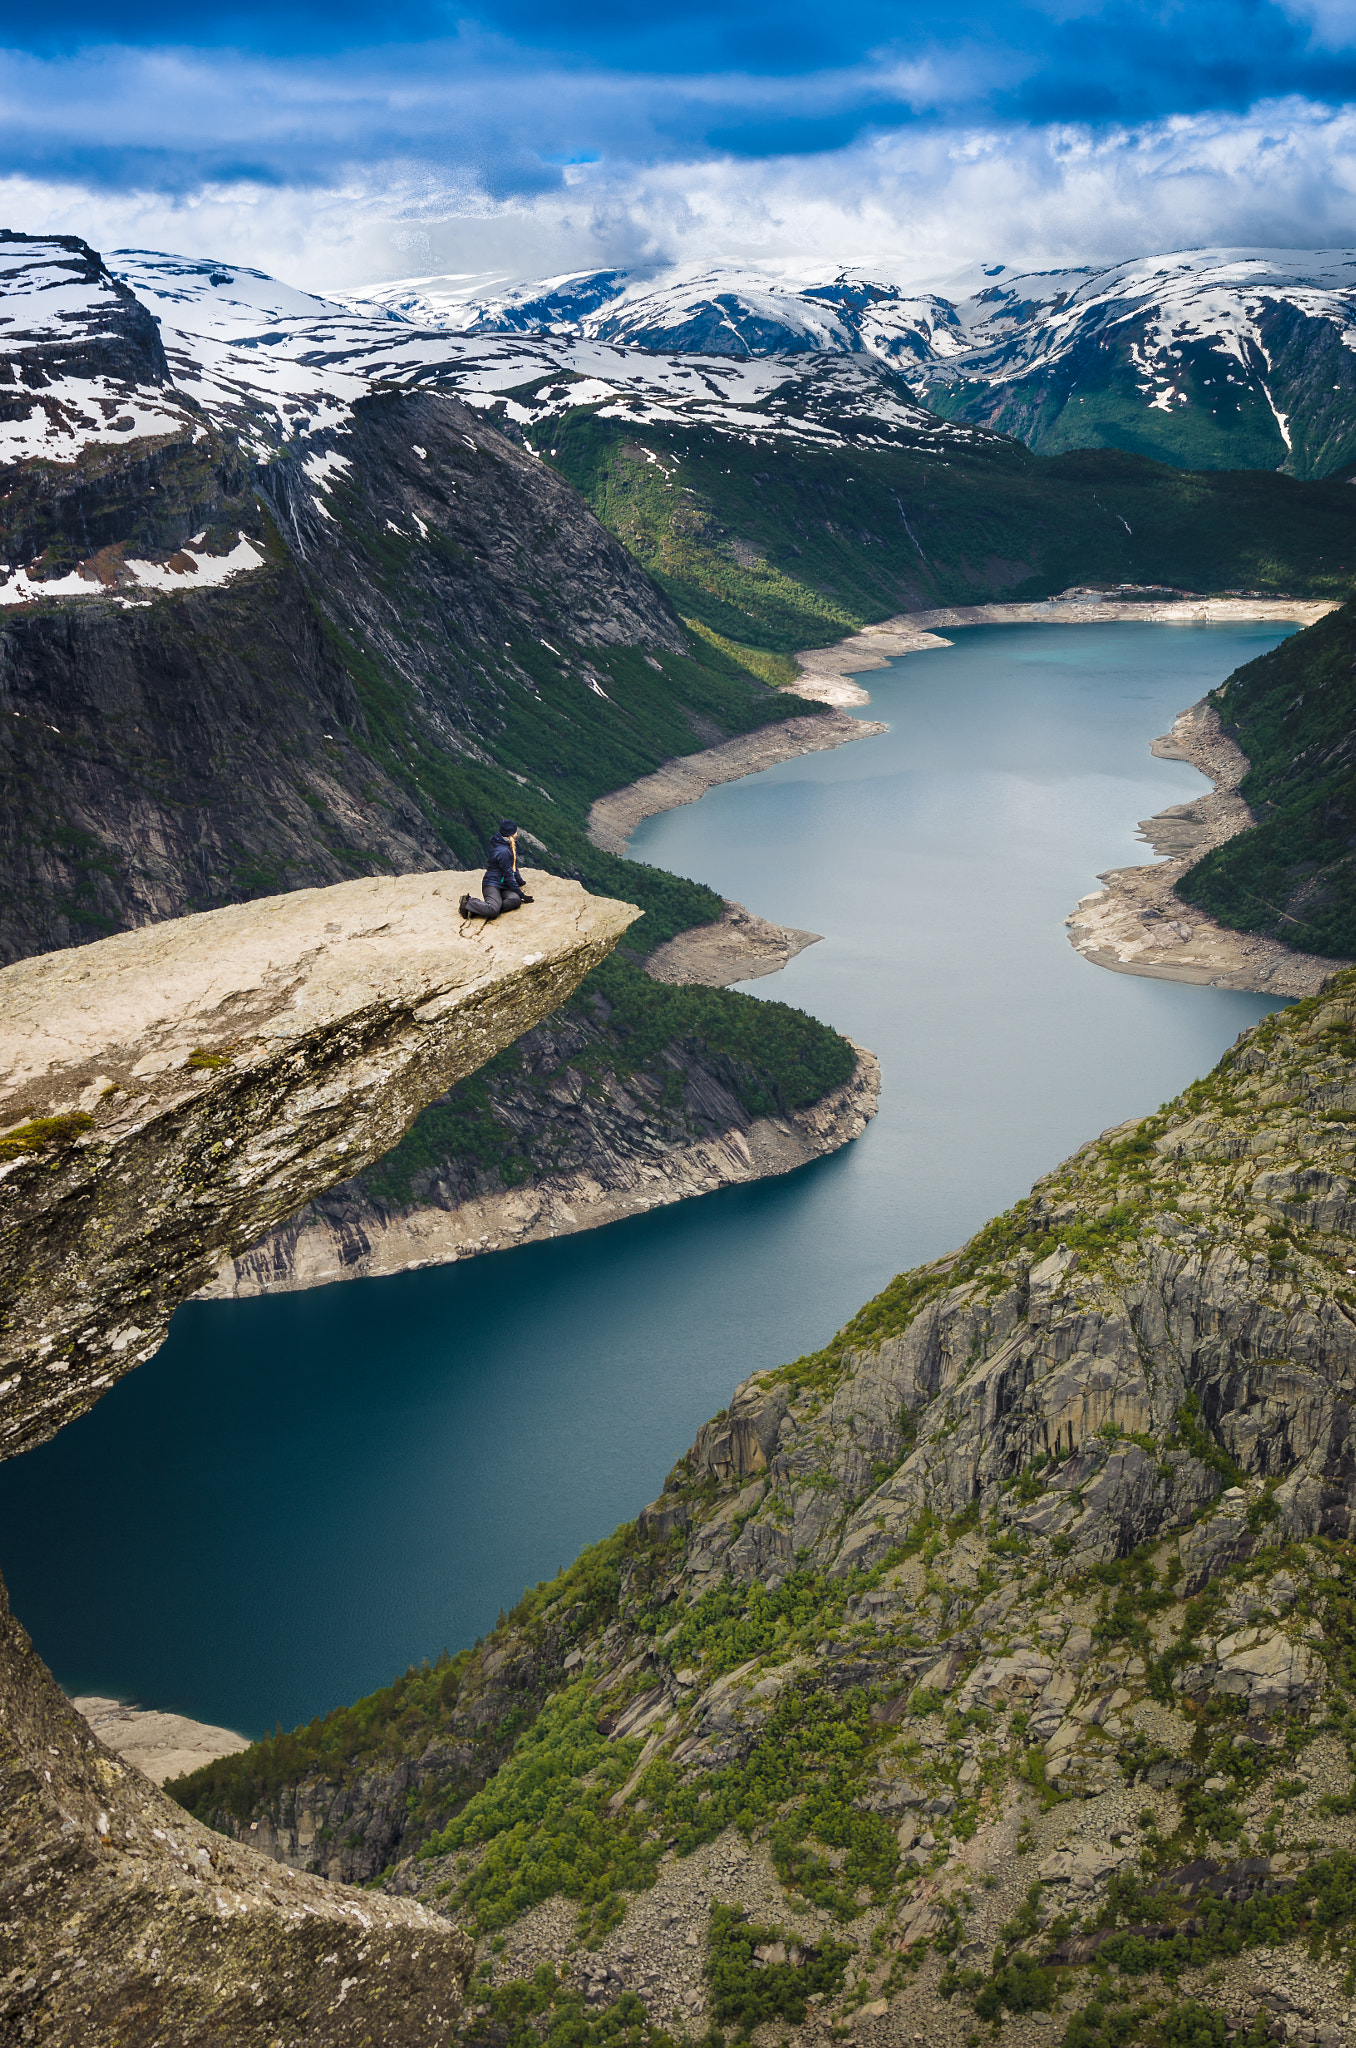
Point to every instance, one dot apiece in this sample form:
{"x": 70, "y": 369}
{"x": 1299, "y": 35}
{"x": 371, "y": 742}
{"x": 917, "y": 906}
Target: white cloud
{"x": 1332, "y": 22}
{"x": 922, "y": 201}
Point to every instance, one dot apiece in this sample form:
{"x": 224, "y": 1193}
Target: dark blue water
{"x": 300, "y": 1495}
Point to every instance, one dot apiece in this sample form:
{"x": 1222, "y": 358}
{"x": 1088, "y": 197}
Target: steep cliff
{"x": 630, "y": 1096}
{"x": 255, "y": 639}
{"x": 1011, "y": 1634}
{"x": 167, "y": 1093}
{"x": 222, "y": 675}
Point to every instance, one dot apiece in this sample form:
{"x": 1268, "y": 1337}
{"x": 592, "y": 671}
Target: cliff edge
{"x": 1006, "y": 1640}
{"x": 165, "y": 1095}
{"x": 168, "y": 1095}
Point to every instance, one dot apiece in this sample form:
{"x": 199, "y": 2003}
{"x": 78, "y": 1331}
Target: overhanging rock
{"x": 168, "y": 1095}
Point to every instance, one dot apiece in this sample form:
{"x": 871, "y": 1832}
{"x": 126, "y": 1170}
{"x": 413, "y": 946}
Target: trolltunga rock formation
{"x": 166, "y": 1096}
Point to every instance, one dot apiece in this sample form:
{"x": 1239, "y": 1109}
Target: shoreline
{"x": 318, "y": 1254}
{"x": 159, "y": 1745}
{"x": 825, "y": 671}
{"x": 686, "y": 777}
{"x": 1137, "y": 925}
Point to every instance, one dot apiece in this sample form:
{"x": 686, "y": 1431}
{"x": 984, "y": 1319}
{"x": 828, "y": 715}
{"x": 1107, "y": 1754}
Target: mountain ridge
{"x": 1207, "y": 358}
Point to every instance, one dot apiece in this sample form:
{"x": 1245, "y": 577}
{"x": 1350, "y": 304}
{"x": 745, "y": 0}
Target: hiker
{"x": 501, "y": 885}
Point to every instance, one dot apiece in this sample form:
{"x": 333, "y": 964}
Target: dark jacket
{"x": 500, "y": 872}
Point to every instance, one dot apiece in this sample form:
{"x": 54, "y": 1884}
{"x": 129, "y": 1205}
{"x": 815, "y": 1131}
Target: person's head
{"x": 507, "y": 829}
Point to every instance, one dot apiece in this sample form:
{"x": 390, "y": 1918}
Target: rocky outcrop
{"x": 1041, "y": 1571}
{"x": 121, "y": 1919}
{"x": 633, "y": 1154}
{"x": 166, "y": 1094}
{"x": 236, "y": 661}
{"x": 739, "y": 946}
{"x": 170, "y": 1094}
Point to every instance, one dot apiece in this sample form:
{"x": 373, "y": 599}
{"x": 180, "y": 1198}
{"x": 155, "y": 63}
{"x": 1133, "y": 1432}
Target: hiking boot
{"x": 464, "y": 907}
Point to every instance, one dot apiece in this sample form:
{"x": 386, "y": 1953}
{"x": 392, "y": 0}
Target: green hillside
{"x": 780, "y": 546}
{"x": 1293, "y": 712}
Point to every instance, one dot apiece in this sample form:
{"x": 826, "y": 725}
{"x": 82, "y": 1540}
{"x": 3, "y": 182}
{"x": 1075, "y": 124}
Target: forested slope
{"x": 1293, "y": 712}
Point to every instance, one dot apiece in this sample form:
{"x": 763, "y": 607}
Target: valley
{"x": 988, "y": 1661}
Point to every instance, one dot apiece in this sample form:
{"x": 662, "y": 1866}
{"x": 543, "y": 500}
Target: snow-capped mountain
{"x": 1215, "y": 358}
{"x": 274, "y": 363}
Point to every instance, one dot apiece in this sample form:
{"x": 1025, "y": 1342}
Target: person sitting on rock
{"x": 501, "y": 884}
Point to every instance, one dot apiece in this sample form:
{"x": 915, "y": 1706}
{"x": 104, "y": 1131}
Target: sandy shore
{"x": 1136, "y": 925}
{"x": 739, "y": 946}
{"x": 160, "y": 1745}
{"x": 614, "y": 817}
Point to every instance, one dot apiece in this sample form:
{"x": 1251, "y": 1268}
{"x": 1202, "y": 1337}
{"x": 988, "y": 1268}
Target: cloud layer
{"x": 540, "y": 139}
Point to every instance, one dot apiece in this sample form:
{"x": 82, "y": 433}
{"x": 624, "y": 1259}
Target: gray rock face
{"x": 124, "y": 1920}
{"x": 1050, "y": 1545}
{"x": 169, "y": 1094}
{"x": 166, "y": 1093}
{"x": 1081, "y": 1360}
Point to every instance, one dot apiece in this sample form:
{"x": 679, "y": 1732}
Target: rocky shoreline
{"x": 160, "y": 1745}
{"x": 320, "y": 1248}
{"x": 613, "y": 818}
{"x": 739, "y": 946}
{"x": 1136, "y": 925}
{"x": 826, "y": 672}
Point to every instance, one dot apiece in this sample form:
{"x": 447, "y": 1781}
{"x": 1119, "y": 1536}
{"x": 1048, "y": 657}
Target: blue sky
{"x": 342, "y": 140}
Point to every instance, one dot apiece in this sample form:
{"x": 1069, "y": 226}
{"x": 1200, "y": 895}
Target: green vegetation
{"x": 1293, "y": 876}
{"x": 745, "y": 1992}
{"x": 1094, "y": 398}
{"x": 401, "y": 1719}
{"x": 550, "y": 2013}
{"x": 1108, "y": 2021}
{"x": 544, "y": 1821}
{"x": 774, "y": 1059}
{"x": 45, "y": 1134}
{"x": 1196, "y": 1436}
{"x": 784, "y": 546}
{"x": 733, "y": 1623}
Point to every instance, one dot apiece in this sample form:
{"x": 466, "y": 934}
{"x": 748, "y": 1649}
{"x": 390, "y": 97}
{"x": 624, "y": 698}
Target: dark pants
{"x": 495, "y": 900}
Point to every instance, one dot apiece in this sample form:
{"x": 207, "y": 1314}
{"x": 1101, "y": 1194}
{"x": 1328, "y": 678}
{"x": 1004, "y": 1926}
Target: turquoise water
{"x": 300, "y": 1495}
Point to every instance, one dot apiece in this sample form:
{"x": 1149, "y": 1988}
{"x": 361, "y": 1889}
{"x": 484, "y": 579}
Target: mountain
{"x": 1208, "y": 359}
{"x": 296, "y": 592}
{"x": 995, "y": 1661}
{"x": 266, "y": 623}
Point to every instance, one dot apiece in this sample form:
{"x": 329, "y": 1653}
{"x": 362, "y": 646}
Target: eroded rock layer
{"x": 122, "y": 1920}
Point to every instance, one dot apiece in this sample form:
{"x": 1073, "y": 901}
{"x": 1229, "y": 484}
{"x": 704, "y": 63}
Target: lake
{"x": 302, "y": 1494}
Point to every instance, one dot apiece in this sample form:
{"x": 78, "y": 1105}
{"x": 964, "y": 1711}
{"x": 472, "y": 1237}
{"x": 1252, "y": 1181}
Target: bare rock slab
{"x": 739, "y": 946}
{"x": 170, "y": 1094}
{"x": 161, "y": 1745}
{"x": 1136, "y": 924}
